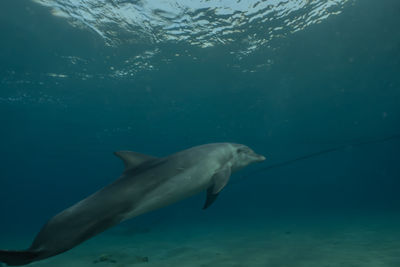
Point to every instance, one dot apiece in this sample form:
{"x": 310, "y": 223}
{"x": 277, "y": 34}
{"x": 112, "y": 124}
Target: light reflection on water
{"x": 199, "y": 23}
{"x": 239, "y": 27}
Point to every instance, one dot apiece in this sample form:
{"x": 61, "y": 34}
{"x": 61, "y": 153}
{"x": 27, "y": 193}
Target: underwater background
{"x": 82, "y": 79}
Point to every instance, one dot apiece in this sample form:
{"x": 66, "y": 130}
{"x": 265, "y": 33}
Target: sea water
{"x": 314, "y": 85}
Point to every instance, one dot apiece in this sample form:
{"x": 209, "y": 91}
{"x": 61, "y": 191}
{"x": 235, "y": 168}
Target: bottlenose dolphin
{"x": 147, "y": 183}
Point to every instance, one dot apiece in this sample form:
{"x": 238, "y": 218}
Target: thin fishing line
{"x": 321, "y": 152}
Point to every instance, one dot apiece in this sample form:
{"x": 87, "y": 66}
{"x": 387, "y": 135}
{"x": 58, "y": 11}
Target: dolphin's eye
{"x": 241, "y": 150}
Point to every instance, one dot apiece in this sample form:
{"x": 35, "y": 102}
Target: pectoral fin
{"x": 220, "y": 180}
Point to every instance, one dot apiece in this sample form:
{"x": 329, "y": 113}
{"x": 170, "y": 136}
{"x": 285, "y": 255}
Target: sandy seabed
{"x": 292, "y": 242}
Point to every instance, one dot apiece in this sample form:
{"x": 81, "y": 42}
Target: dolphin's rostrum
{"x": 147, "y": 183}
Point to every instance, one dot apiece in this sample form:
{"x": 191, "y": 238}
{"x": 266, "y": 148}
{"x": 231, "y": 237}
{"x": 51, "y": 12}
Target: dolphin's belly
{"x": 176, "y": 188}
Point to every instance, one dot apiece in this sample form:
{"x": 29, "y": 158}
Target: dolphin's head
{"x": 243, "y": 155}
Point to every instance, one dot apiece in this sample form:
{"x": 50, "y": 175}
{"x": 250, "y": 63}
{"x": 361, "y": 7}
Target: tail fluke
{"x": 17, "y": 258}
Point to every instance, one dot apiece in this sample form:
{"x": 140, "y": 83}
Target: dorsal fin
{"x": 132, "y": 159}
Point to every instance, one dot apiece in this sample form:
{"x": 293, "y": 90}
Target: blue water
{"x": 287, "y": 79}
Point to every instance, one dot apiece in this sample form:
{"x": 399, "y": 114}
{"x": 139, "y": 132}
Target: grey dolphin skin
{"x": 147, "y": 183}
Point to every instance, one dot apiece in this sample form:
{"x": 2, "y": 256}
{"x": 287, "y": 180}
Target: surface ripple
{"x": 199, "y": 23}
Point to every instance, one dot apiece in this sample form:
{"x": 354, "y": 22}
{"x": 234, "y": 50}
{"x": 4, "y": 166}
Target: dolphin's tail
{"x": 17, "y": 258}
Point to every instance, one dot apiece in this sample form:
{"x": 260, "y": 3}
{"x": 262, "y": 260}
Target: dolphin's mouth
{"x": 258, "y": 157}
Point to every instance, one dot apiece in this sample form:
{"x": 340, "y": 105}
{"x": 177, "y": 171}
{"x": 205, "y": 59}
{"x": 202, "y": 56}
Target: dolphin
{"x": 147, "y": 183}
